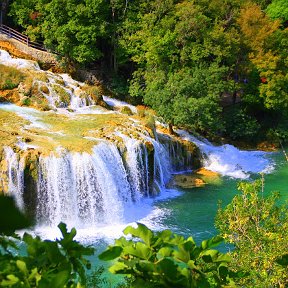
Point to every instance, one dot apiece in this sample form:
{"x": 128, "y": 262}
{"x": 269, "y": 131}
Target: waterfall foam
{"x": 94, "y": 189}
{"x": 230, "y": 161}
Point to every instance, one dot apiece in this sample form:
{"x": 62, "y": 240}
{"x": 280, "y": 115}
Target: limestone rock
{"x": 187, "y": 181}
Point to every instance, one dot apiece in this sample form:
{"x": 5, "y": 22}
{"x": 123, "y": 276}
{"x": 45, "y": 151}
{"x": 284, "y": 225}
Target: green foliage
{"x": 71, "y": 28}
{"x": 239, "y": 125}
{"x": 8, "y": 210}
{"x": 278, "y": 9}
{"x": 258, "y": 229}
{"x": 164, "y": 259}
{"x": 59, "y": 263}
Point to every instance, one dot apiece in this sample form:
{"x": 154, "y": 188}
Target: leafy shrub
{"x": 259, "y": 230}
{"x": 26, "y": 101}
{"x": 56, "y": 264}
{"x": 164, "y": 259}
{"x": 239, "y": 125}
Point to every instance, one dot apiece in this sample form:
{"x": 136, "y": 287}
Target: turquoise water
{"x": 192, "y": 212}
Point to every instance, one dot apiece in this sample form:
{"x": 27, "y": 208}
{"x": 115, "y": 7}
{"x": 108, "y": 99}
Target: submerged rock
{"x": 187, "y": 181}
{"x": 206, "y": 172}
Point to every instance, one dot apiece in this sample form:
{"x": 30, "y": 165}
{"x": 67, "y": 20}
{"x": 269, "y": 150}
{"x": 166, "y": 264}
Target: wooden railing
{"x": 21, "y": 38}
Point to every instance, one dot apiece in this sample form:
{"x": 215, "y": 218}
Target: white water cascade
{"x": 125, "y": 163}
{"x": 15, "y": 174}
{"x": 229, "y": 160}
{"x": 83, "y": 188}
{"x": 94, "y": 189}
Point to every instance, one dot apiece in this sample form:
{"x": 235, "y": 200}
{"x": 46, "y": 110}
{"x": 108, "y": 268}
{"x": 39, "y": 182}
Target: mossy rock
{"x": 60, "y": 82}
{"x": 10, "y": 77}
{"x": 95, "y": 92}
{"x": 63, "y": 95}
{"x": 126, "y": 110}
{"x": 44, "y": 89}
{"x": 11, "y": 96}
{"x": 187, "y": 181}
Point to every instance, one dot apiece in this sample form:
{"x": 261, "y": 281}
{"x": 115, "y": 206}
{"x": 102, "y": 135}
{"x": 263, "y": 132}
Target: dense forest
{"x": 214, "y": 67}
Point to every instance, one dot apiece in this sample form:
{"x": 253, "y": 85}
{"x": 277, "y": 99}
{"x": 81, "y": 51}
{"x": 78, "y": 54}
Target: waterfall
{"x": 85, "y": 189}
{"x": 136, "y": 161}
{"x": 229, "y": 160}
{"x": 162, "y": 164}
{"x": 15, "y": 174}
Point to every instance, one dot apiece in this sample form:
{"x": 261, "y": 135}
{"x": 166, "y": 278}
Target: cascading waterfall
{"x": 90, "y": 188}
{"x": 229, "y": 160}
{"x": 15, "y": 174}
{"x": 136, "y": 161}
{"x": 85, "y": 189}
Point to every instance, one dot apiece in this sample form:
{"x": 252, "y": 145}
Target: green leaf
{"x": 182, "y": 255}
{"x": 22, "y": 266}
{"x": 165, "y": 234}
{"x": 223, "y": 258}
{"x": 141, "y": 232}
{"x": 215, "y": 241}
{"x": 223, "y": 270}
{"x": 58, "y": 280}
{"x": 111, "y": 253}
{"x": 10, "y": 281}
{"x": 165, "y": 252}
{"x": 168, "y": 267}
{"x": 53, "y": 253}
{"x": 67, "y": 236}
{"x": 209, "y": 255}
{"x": 118, "y": 268}
{"x": 35, "y": 275}
{"x": 139, "y": 250}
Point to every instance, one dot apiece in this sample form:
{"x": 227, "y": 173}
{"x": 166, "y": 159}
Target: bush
{"x": 240, "y": 125}
{"x": 168, "y": 260}
{"x": 258, "y": 229}
{"x": 56, "y": 264}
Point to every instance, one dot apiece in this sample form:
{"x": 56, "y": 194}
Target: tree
{"x": 278, "y": 9}
{"x": 257, "y": 227}
{"x": 71, "y": 28}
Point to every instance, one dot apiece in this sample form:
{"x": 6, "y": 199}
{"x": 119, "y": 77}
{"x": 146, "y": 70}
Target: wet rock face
{"x": 31, "y": 157}
{"x": 185, "y": 155}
